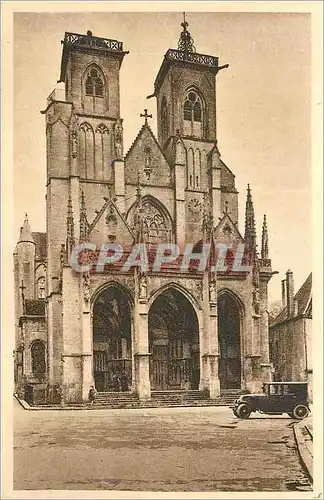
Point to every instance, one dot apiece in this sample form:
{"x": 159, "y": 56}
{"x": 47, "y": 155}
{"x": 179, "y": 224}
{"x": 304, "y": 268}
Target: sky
{"x": 263, "y": 108}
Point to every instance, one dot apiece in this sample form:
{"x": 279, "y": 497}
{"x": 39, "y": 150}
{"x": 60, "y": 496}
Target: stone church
{"x": 158, "y": 330}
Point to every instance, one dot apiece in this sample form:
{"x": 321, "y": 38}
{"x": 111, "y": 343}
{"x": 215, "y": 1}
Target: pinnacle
{"x": 25, "y": 232}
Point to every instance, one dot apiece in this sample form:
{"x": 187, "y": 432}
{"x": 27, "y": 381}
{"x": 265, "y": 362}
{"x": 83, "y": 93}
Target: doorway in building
{"x": 229, "y": 342}
{"x": 173, "y": 343}
{"x": 112, "y": 346}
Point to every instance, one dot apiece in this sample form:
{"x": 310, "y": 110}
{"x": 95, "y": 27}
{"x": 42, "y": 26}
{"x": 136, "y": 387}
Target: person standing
{"x": 92, "y": 395}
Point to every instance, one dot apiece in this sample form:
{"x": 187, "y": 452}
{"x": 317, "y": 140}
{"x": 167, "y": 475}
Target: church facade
{"x": 154, "y": 329}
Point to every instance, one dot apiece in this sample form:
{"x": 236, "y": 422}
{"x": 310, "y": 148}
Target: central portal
{"x": 173, "y": 343}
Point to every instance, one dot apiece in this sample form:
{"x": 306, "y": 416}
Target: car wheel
{"x": 300, "y": 411}
{"x": 243, "y": 411}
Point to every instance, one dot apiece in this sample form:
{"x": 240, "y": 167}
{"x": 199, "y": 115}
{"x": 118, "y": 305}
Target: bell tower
{"x": 84, "y": 143}
{"x": 185, "y": 89}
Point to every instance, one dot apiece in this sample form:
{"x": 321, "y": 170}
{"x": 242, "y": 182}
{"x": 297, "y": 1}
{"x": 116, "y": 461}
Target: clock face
{"x": 194, "y": 205}
{"x": 195, "y": 208}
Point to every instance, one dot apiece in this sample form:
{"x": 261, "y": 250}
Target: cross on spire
{"x": 185, "y": 43}
{"x": 145, "y": 115}
{"x": 184, "y": 24}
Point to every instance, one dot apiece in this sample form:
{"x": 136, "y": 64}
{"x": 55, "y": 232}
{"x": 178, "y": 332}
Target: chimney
{"x": 290, "y": 293}
{"x": 283, "y": 293}
{"x": 295, "y": 312}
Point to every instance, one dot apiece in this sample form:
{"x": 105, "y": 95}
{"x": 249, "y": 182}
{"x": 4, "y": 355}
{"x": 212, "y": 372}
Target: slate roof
{"x": 304, "y": 299}
{"x": 41, "y": 244}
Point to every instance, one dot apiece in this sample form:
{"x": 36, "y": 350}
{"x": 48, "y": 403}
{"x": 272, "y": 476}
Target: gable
{"x": 110, "y": 226}
{"x": 226, "y": 231}
{"x": 145, "y": 153}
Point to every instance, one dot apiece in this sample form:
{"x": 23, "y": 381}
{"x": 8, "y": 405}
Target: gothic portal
{"x": 173, "y": 342}
{"x": 125, "y": 328}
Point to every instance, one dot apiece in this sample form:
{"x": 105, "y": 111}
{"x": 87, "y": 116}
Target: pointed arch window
{"x": 94, "y": 83}
{"x": 156, "y": 228}
{"x": 86, "y": 151}
{"x": 102, "y": 152}
{"x": 193, "y": 114}
{"x": 38, "y": 358}
{"x": 157, "y": 224}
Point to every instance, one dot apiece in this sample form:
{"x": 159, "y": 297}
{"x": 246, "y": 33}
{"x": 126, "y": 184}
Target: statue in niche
{"x": 119, "y": 139}
{"x": 74, "y": 134}
{"x": 256, "y": 300}
{"x": 212, "y": 291}
{"x": 142, "y": 287}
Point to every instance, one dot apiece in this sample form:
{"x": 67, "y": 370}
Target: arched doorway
{"x": 173, "y": 342}
{"x": 229, "y": 342}
{"x": 112, "y": 344}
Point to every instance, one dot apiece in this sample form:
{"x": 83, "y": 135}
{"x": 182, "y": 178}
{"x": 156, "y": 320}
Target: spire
{"x": 25, "y": 232}
{"x": 70, "y": 240}
{"x": 185, "y": 43}
{"x": 265, "y": 240}
{"x": 83, "y": 220}
{"x": 249, "y": 234}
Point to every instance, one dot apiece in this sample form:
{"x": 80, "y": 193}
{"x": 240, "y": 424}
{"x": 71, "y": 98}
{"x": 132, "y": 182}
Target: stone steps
{"x": 162, "y": 399}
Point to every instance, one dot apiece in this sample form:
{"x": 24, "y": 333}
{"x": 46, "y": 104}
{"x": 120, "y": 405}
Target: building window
{"x": 41, "y": 288}
{"x": 193, "y": 169}
{"x": 38, "y": 358}
{"x": 193, "y": 114}
{"x": 94, "y": 84}
{"x": 157, "y": 224}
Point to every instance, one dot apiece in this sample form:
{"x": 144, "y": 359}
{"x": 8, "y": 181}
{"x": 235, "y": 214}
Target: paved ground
{"x": 179, "y": 449}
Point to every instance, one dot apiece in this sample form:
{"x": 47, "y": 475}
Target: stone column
{"x": 216, "y": 187}
{"x": 266, "y": 366}
{"x": 210, "y": 356}
{"x": 75, "y": 199}
{"x": 180, "y": 184}
{"x": 71, "y": 362}
{"x": 214, "y": 383}
{"x": 140, "y": 347}
{"x": 86, "y": 344}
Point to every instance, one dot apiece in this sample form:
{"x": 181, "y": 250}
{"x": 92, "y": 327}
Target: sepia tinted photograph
{"x": 162, "y": 250}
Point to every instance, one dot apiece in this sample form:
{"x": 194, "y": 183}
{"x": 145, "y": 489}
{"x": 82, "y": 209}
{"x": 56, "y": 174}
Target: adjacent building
{"x": 291, "y": 333}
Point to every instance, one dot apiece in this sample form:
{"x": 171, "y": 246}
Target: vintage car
{"x": 276, "y": 398}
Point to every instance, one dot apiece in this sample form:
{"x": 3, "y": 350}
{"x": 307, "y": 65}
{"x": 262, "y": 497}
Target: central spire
{"x": 186, "y": 43}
